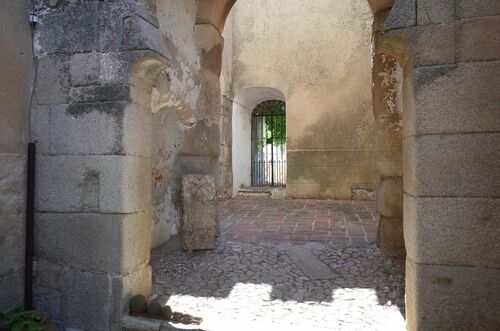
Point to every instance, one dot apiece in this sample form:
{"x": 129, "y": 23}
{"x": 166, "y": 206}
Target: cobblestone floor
{"x": 257, "y": 282}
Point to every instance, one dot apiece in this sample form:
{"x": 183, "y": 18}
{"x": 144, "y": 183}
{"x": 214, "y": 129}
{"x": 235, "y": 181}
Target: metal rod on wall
{"x": 30, "y": 227}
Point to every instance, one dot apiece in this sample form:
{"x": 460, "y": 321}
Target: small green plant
{"x": 388, "y": 271}
{"x": 17, "y": 319}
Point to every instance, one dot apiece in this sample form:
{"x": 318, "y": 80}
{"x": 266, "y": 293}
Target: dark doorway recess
{"x": 269, "y": 144}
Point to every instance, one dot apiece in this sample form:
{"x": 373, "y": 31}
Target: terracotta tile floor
{"x": 336, "y": 222}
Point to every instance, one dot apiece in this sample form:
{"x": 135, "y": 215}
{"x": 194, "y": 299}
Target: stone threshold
{"x": 264, "y": 192}
{"x": 132, "y": 323}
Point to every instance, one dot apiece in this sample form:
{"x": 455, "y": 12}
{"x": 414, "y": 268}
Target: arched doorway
{"x": 269, "y": 144}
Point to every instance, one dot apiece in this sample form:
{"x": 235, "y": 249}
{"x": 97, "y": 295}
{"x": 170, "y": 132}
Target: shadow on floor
{"x": 360, "y": 275}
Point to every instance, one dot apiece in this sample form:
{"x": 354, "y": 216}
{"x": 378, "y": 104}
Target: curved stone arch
{"x": 150, "y": 89}
{"x": 244, "y": 104}
{"x": 392, "y": 98}
{"x": 215, "y": 12}
{"x": 269, "y": 103}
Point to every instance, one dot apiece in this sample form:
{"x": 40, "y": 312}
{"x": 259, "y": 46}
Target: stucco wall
{"x": 321, "y": 62}
{"x": 186, "y": 119}
{"x": 16, "y": 74}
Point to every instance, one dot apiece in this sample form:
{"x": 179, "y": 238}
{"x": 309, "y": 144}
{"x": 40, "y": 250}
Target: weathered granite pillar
{"x": 199, "y": 223}
{"x": 388, "y": 111}
{"x": 92, "y": 120}
{"x": 451, "y": 161}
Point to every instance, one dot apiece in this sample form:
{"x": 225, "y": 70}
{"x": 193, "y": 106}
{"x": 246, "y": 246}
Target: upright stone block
{"x": 93, "y": 183}
{"x": 453, "y": 231}
{"x": 85, "y": 68}
{"x": 454, "y": 165}
{"x": 435, "y": 11}
{"x": 12, "y": 229}
{"x": 455, "y": 98}
{"x": 390, "y": 197}
{"x": 440, "y": 297}
{"x": 478, "y": 39}
{"x": 199, "y": 225}
{"x": 476, "y": 8}
{"x": 86, "y": 303}
{"x": 390, "y": 236}
{"x": 403, "y": 14}
{"x": 117, "y": 243}
{"x": 52, "y": 80}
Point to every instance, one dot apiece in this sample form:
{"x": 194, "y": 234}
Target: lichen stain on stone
{"x": 443, "y": 281}
{"x": 389, "y": 82}
{"x": 90, "y": 190}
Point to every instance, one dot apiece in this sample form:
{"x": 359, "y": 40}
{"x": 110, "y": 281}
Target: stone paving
{"x": 258, "y": 282}
{"x": 335, "y": 222}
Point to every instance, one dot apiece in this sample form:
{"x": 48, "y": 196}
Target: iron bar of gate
{"x": 272, "y": 150}
{"x": 268, "y": 153}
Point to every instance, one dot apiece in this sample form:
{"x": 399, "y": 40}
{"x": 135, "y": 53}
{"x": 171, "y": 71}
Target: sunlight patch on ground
{"x": 251, "y": 305}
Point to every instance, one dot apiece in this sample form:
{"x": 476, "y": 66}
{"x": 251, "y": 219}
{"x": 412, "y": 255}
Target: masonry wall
{"x": 126, "y": 102}
{"x": 317, "y": 53}
{"x": 451, "y": 161}
{"x": 16, "y": 77}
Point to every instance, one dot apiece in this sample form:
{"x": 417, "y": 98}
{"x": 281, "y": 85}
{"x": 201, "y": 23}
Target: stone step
{"x": 215, "y": 323}
{"x": 263, "y": 192}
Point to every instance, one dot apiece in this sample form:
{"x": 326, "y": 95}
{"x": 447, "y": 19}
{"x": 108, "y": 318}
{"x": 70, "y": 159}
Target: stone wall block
{"x": 12, "y": 239}
{"x": 93, "y": 183}
{"x": 435, "y": 11}
{"x": 390, "y": 197}
{"x": 89, "y": 26}
{"x": 95, "y": 242}
{"x": 202, "y": 140}
{"x": 125, "y": 287}
{"x": 40, "y": 127}
{"x": 298, "y": 190}
{"x": 85, "y": 68}
{"x": 478, "y": 39}
{"x": 199, "y": 225}
{"x": 95, "y": 128}
{"x": 87, "y": 128}
{"x": 117, "y": 66}
{"x": 403, "y": 14}
{"x": 452, "y": 297}
{"x": 49, "y": 301}
{"x": 390, "y": 236}
{"x": 12, "y": 289}
{"x": 12, "y": 229}
{"x": 455, "y": 98}
{"x": 104, "y": 93}
{"x": 86, "y": 302}
{"x": 139, "y": 34}
{"x": 12, "y": 183}
{"x": 210, "y": 43}
{"x": 453, "y": 165}
{"x": 453, "y": 231}
{"x": 52, "y": 80}
{"x": 429, "y": 44}
{"x": 475, "y": 8}
{"x": 389, "y": 146}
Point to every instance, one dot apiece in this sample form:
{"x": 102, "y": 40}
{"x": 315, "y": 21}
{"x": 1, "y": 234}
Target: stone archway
{"x": 91, "y": 136}
{"x": 243, "y": 105}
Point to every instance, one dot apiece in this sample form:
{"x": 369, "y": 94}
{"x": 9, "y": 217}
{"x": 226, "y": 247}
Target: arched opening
{"x": 329, "y": 125}
{"x": 269, "y": 144}
{"x": 243, "y": 136}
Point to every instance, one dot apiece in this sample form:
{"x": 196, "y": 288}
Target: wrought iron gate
{"x": 269, "y": 144}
